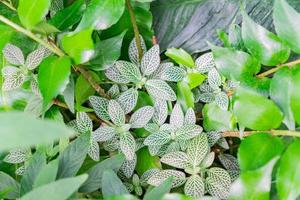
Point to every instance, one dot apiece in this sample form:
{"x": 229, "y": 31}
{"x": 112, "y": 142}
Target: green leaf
{"x": 53, "y": 77}
{"x": 262, "y": 44}
{"x": 195, "y": 79}
{"x": 286, "y": 26}
{"x": 181, "y": 57}
{"x": 257, "y": 150}
{"x": 254, "y": 185}
{"x": 255, "y": 111}
{"x": 145, "y": 161}
{"x": 295, "y": 97}
{"x": 107, "y": 52}
{"x": 69, "y": 94}
{"x": 93, "y": 183}
{"x": 185, "y": 95}
{"x": 31, "y": 12}
{"x": 10, "y": 186}
{"x": 123, "y": 197}
{"x": 288, "y": 176}
{"x": 112, "y": 185}
{"x": 216, "y": 119}
{"x": 69, "y": 16}
{"x": 233, "y": 64}
{"x": 79, "y": 45}
{"x": 28, "y": 131}
{"x": 47, "y": 174}
{"x": 101, "y": 14}
{"x": 58, "y": 190}
{"x": 159, "y": 191}
{"x": 73, "y": 156}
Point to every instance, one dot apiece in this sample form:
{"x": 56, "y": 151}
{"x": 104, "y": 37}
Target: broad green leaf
{"x": 288, "y": 176}
{"x": 10, "y": 186}
{"x": 93, "y": 183}
{"x": 107, "y": 52}
{"x": 257, "y": 150}
{"x": 255, "y": 111}
{"x": 112, "y": 185}
{"x": 69, "y": 16}
{"x": 180, "y": 56}
{"x": 262, "y": 44}
{"x": 195, "y": 79}
{"x": 159, "y": 191}
{"x": 216, "y": 119}
{"x": 58, "y": 190}
{"x": 233, "y": 64}
{"x": 53, "y": 77}
{"x": 145, "y": 161}
{"x": 47, "y": 174}
{"x": 286, "y": 26}
{"x": 79, "y": 45}
{"x": 295, "y": 97}
{"x": 28, "y": 131}
{"x": 254, "y": 185}
{"x": 31, "y": 12}
{"x": 71, "y": 159}
{"x": 185, "y": 95}
{"x": 101, "y": 14}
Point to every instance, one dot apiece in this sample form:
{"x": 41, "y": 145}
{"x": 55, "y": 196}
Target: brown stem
{"x": 272, "y": 132}
{"x": 135, "y": 29}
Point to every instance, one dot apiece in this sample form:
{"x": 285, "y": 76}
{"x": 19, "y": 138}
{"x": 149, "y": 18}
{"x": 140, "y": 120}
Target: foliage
{"x": 91, "y": 108}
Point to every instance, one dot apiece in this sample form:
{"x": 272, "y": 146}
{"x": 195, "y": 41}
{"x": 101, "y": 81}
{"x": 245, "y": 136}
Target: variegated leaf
{"x": 172, "y": 147}
{"x": 147, "y": 175}
{"x": 21, "y": 170}
{"x": 168, "y": 128}
{"x": 173, "y": 73}
{"x": 103, "y": 133}
{"x": 205, "y": 88}
{"x": 160, "y": 89}
{"x": 16, "y": 156}
{"x": 139, "y": 144}
{"x": 100, "y": 106}
{"x": 207, "y": 97}
{"x": 115, "y": 75}
{"x": 154, "y": 149}
{"x": 188, "y": 131}
{"x": 176, "y": 159}
{"x": 128, "y": 167}
{"x": 222, "y": 142}
{"x": 150, "y": 61}
{"x": 141, "y": 117}
{"x": 205, "y": 63}
{"x": 157, "y": 74}
{"x": 84, "y": 123}
{"x": 128, "y": 100}
{"x": 138, "y": 190}
{"x": 218, "y": 182}
{"x": 177, "y": 116}
{"x": 113, "y": 91}
{"x": 13, "y": 54}
{"x": 94, "y": 150}
{"x": 208, "y": 160}
{"x": 13, "y": 81}
{"x": 197, "y": 150}
{"x": 116, "y": 113}
{"x": 34, "y": 59}
{"x": 213, "y": 137}
{"x": 190, "y": 117}
{"x": 152, "y": 127}
{"x": 222, "y": 100}
{"x": 112, "y": 144}
{"x": 133, "y": 50}
{"x": 35, "y": 87}
{"x": 229, "y": 161}
{"x": 194, "y": 186}
{"x": 129, "y": 187}
{"x": 160, "y": 177}
{"x": 9, "y": 70}
{"x": 160, "y": 111}
{"x": 159, "y": 138}
{"x": 214, "y": 79}
{"x": 128, "y": 70}
{"x": 127, "y": 145}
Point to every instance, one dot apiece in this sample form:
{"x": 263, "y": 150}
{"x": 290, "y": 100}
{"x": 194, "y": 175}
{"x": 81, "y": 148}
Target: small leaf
{"x": 181, "y": 57}
{"x": 150, "y": 61}
{"x": 103, "y": 134}
{"x": 194, "y": 186}
{"x": 160, "y": 177}
{"x": 159, "y": 138}
{"x": 173, "y": 74}
{"x": 100, "y": 106}
{"x": 218, "y": 182}
{"x": 11, "y": 186}
{"x": 128, "y": 70}
{"x": 127, "y": 145}
{"x": 94, "y": 150}
{"x": 188, "y": 131}
{"x": 128, "y": 100}
{"x": 197, "y": 149}
{"x": 128, "y": 167}
{"x": 176, "y": 159}
{"x": 141, "y": 117}
{"x": 116, "y": 113}
{"x": 112, "y": 185}
{"x": 205, "y": 63}
{"x": 185, "y": 95}
{"x": 84, "y": 123}
{"x": 214, "y": 79}
{"x": 177, "y": 116}
{"x": 159, "y": 191}
{"x": 222, "y": 100}
{"x": 160, "y": 89}
{"x": 16, "y": 156}
{"x": 35, "y": 58}
{"x": 160, "y": 111}
{"x": 13, "y": 81}
{"x": 13, "y": 54}
{"x": 133, "y": 50}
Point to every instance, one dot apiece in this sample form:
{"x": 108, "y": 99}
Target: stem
{"x": 8, "y": 5}
{"x": 273, "y": 70}
{"x": 272, "y": 132}
{"x": 135, "y": 29}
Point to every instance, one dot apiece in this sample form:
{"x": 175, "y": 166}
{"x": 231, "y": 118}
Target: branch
{"x": 135, "y": 29}
{"x": 8, "y": 5}
{"x": 272, "y": 132}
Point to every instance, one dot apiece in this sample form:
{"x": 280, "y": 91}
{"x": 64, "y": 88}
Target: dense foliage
{"x": 93, "y": 108}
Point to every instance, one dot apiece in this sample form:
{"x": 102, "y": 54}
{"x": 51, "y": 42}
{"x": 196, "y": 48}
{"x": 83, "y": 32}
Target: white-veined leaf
{"x": 160, "y": 111}
{"x": 194, "y": 186}
{"x": 21, "y": 170}
{"x": 83, "y": 122}
{"x": 173, "y": 73}
{"x": 208, "y": 160}
{"x": 205, "y": 63}
{"x": 13, "y": 81}
{"x": 13, "y": 54}
{"x": 177, "y": 116}
{"x": 127, "y": 145}
{"x": 158, "y": 178}
{"x": 16, "y": 156}
{"x": 157, "y": 74}
{"x": 103, "y": 133}
{"x": 112, "y": 144}
{"x": 35, "y": 87}
{"x": 222, "y": 100}
{"x": 100, "y": 106}
{"x": 229, "y": 161}
{"x": 116, "y": 113}
{"x": 128, "y": 100}
{"x": 94, "y": 150}
{"x": 205, "y": 88}
{"x": 115, "y": 75}
{"x": 222, "y": 142}
{"x": 9, "y": 70}
{"x": 147, "y": 175}
{"x": 207, "y": 97}
{"x": 214, "y": 79}
{"x": 128, "y": 70}
{"x": 190, "y": 117}
{"x": 150, "y": 61}
{"x": 113, "y": 91}
{"x": 35, "y": 58}
{"x": 160, "y": 89}
{"x": 158, "y": 138}
{"x": 133, "y": 50}
{"x": 141, "y": 117}
{"x": 188, "y": 131}
{"x": 176, "y": 159}
{"x": 197, "y": 149}
{"x": 213, "y": 137}
{"x": 128, "y": 167}
{"x": 172, "y": 147}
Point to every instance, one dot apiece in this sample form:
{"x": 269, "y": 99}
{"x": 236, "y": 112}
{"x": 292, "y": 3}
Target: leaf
{"x": 104, "y": 133}
{"x": 190, "y": 117}
{"x": 28, "y": 131}
{"x": 35, "y": 58}
{"x": 110, "y": 12}
{"x": 65, "y": 18}
{"x": 255, "y": 111}
{"x": 71, "y": 159}
{"x": 16, "y": 156}
{"x": 158, "y": 138}
{"x": 246, "y": 187}
{"x": 262, "y": 44}
{"x": 295, "y": 98}
{"x": 53, "y": 77}
{"x": 188, "y": 131}
{"x": 214, "y": 79}
{"x": 128, "y": 100}
{"x": 160, "y": 111}
{"x": 133, "y": 50}
{"x": 31, "y": 12}
{"x": 194, "y": 186}
{"x": 286, "y": 27}
{"x": 107, "y": 52}
{"x": 177, "y": 116}
{"x": 116, "y": 113}
{"x": 158, "y": 178}
{"x": 222, "y": 100}
{"x": 61, "y": 189}
{"x": 181, "y": 57}
{"x": 172, "y": 73}
{"x": 69, "y": 94}
{"x": 160, "y": 89}
{"x": 100, "y": 106}
{"x": 112, "y": 185}
{"x": 83, "y": 123}
{"x": 176, "y": 159}
{"x": 128, "y": 167}
{"x": 94, "y": 150}
{"x": 47, "y": 174}
{"x": 185, "y": 95}
{"x": 159, "y": 191}
{"x": 218, "y": 182}
{"x": 129, "y": 71}
{"x": 79, "y": 45}
{"x": 93, "y": 183}
{"x": 197, "y": 149}
{"x": 146, "y": 162}
{"x": 205, "y": 63}
{"x": 127, "y": 145}
{"x": 150, "y": 61}
{"x": 141, "y": 117}
{"x": 195, "y": 79}
{"x": 13, "y": 54}
{"x": 13, "y": 81}
{"x": 10, "y": 185}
